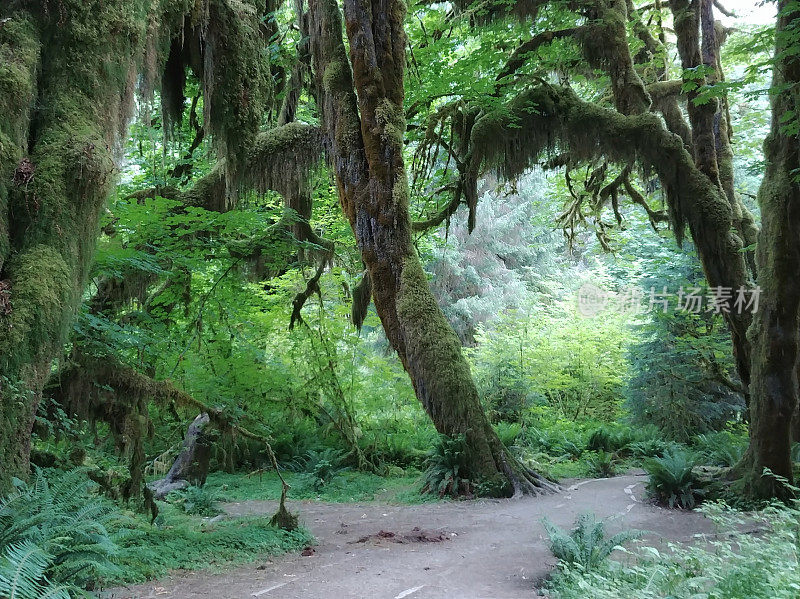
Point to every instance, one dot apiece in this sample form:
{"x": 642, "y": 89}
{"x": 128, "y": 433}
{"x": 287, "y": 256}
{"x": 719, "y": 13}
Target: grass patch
{"x": 177, "y": 541}
{"x": 738, "y": 565}
{"x": 344, "y": 487}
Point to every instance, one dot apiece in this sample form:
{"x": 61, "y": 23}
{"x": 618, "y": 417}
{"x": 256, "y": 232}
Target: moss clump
{"x": 235, "y": 78}
{"x": 337, "y": 77}
{"x": 284, "y": 519}
{"x": 40, "y": 294}
{"x": 19, "y": 61}
{"x": 282, "y": 158}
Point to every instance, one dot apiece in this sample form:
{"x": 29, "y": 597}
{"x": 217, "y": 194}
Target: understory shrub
{"x": 321, "y": 466}
{"x": 602, "y": 464}
{"x": 676, "y": 367}
{"x": 444, "y": 467}
{"x": 54, "y": 537}
{"x": 199, "y": 501}
{"x": 672, "y": 480}
{"x": 737, "y": 565}
{"x": 721, "y": 448}
{"x": 508, "y": 432}
{"x": 649, "y": 448}
{"x": 586, "y": 545}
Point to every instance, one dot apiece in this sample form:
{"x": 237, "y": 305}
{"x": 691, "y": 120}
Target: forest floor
{"x": 494, "y": 549}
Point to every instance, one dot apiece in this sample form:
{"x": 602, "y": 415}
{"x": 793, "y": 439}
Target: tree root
{"x": 524, "y": 480}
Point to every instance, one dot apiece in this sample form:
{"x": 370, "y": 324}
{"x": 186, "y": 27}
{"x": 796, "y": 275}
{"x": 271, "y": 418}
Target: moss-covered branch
{"x": 548, "y": 118}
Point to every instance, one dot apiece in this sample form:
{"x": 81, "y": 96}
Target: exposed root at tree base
{"x": 524, "y": 480}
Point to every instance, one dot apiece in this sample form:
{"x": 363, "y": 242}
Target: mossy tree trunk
{"x": 68, "y": 72}
{"x": 699, "y": 41}
{"x": 76, "y": 66}
{"x": 362, "y": 111}
{"x": 775, "y": 334}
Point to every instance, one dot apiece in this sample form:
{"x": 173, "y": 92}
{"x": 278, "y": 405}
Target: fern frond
{"x": 22, "y": 573}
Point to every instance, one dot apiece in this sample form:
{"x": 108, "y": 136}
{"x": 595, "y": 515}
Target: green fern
{"x": 508, "y": 432}
{"x": 322, "y": 466}
{"x": 199, "y": 501}
{"x": 721, "y": 448}
{"x": 22, "y": 574}
{"x": 672, "y": 480}
{"x": 59, "y": 517}
{"x": 611, "y": 440}
{"x": 445, "y": 467}
{"x": 602, "y": 464}
{"x": 585, "y": 545}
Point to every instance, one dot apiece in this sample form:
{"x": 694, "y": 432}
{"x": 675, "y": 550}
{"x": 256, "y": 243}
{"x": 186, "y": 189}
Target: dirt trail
{"x": 488, "y": 549}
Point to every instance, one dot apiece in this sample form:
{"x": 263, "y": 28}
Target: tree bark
{"x": 363, "y": 114}
{"x": 191, "y": 465}
{"x": 775, "y": 334}
{"x": 61, "y": 167}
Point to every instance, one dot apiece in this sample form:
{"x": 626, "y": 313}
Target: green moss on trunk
{"x": 19, "y": 62}
{"x": 84, "y": 93}
{"x": 775, "y": 333}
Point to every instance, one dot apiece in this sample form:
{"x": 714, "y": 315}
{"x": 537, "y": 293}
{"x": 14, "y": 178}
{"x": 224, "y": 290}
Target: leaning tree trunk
{"x": 191, "y": 465}
{"x": 363, "y": 116}
{"x": 775, "y": 334}
{"x": 76, "y": 66}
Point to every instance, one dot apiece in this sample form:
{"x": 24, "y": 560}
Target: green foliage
{"x": 557, "y": 436}
{"x": 586, "y": 546}
{"x": 55, "y": 530}
{"x": 445, "y": 466}
{"x": 350, "y": 485}
{"x": 508, "y": 432}
{"x": 649, "y": 448}
{"x": 59, "y": 514}
{"x": 736, "y": 565}
{"x": 22, "y": 574}
{"x": 198, "y": 501}
{"x": 602, "y": 464}
{"x": 682, "y": 364}
{"x": 672, "y": 480}
{"x": 181, "y": 542}
{"x": 721, "y": 448}
{"x": 531, "y": 356}
{"x": 322, "y": 466}
{"x": 610, "y": 439}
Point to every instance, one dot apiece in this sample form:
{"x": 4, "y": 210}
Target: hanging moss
{"x": 283, "y": 157}
{"x": 235, "y": 77}
{"x": 362, "y": 295}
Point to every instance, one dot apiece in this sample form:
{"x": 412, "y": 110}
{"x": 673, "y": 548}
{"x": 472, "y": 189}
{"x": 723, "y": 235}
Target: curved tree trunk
{"x": 365, "y": 129}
